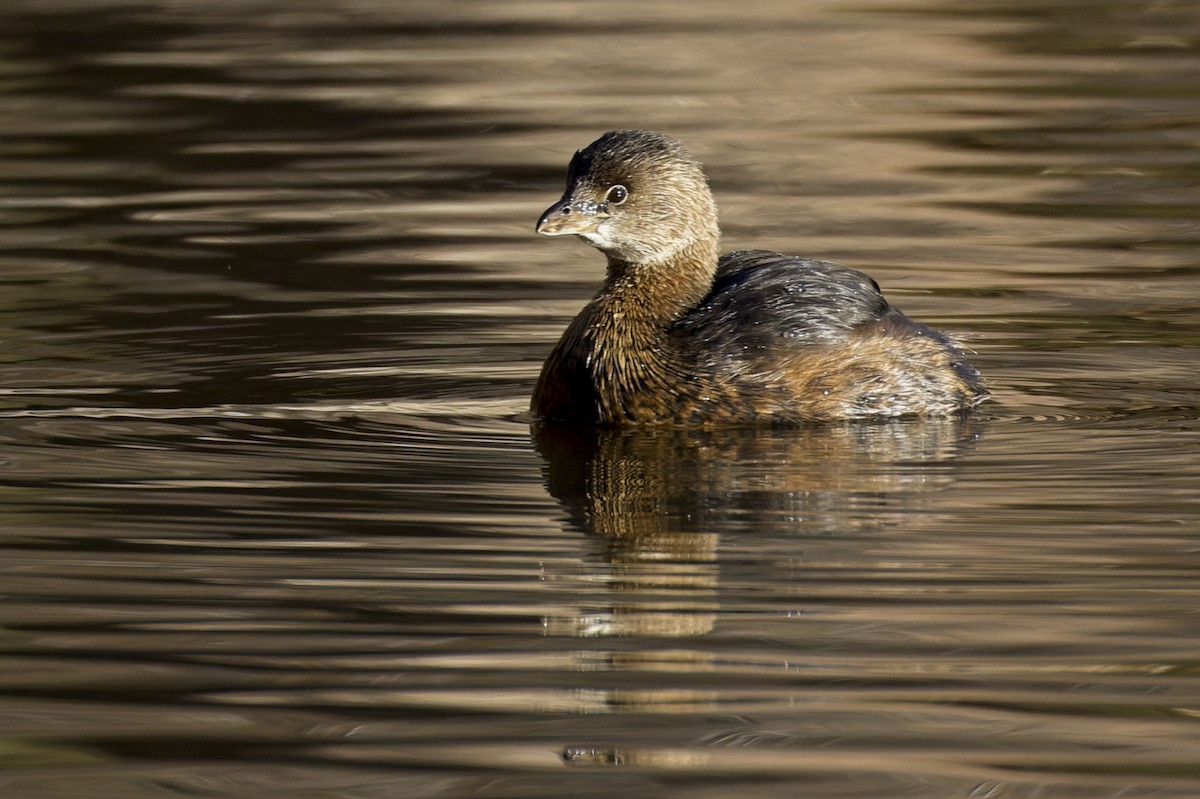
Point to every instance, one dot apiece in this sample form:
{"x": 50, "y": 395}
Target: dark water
{"x": 273, "y": 523}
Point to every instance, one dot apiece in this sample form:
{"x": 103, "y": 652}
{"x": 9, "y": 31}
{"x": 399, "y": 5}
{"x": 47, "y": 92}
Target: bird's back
{"x": 807, "y": 339}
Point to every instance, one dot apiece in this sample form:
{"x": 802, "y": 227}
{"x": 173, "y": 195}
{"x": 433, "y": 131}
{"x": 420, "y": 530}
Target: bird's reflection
{"x": 656, "y": 498}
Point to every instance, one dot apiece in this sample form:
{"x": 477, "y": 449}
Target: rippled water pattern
{"x": 274, "y": 524}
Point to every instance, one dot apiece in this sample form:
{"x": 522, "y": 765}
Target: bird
{"x": 681, "y": 335}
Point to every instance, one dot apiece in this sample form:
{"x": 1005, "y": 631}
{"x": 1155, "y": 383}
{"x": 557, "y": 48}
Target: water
{"x": 274, "y": 524}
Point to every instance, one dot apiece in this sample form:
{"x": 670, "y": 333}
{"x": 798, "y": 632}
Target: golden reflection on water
{"x": 273, "y": 307}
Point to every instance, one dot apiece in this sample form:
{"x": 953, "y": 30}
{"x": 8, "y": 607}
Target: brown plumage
{"x": 678, "y": 335}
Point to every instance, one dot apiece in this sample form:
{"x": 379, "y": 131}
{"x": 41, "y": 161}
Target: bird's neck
{"x": 657, "y": 291}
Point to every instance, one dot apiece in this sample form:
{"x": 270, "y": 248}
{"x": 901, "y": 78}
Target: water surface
{"x": 274, "y": 522}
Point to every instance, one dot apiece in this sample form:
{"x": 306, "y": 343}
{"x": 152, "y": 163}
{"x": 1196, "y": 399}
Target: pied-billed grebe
{"x": 680, "y": 335}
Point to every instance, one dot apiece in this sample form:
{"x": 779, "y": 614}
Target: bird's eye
{"x": 616, "y": 195}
